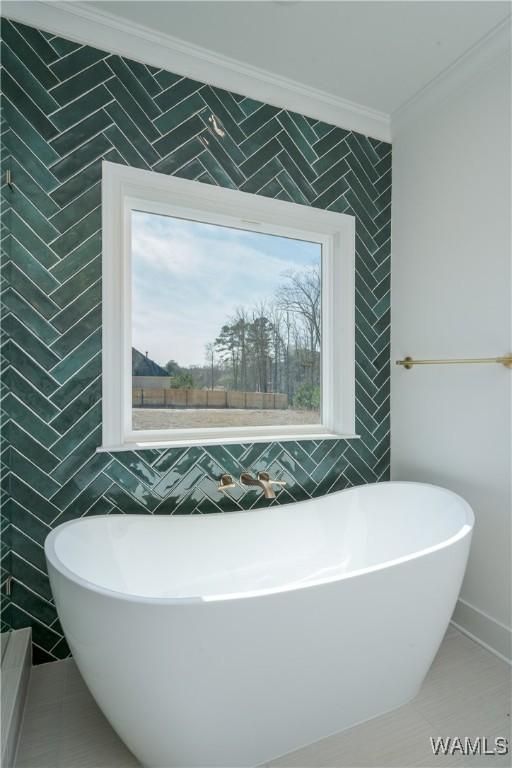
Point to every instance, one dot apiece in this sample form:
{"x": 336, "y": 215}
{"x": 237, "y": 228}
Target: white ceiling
{"x": 376, "y": 54}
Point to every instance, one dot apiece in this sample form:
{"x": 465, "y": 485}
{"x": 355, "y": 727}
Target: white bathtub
{"x": 230, "y": 639}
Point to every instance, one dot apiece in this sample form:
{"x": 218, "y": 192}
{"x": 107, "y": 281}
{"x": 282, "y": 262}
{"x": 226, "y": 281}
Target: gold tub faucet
{"x": 262, "y": 481}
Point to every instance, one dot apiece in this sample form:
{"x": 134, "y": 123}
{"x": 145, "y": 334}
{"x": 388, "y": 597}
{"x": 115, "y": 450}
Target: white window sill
{"x": 151, "y": 444}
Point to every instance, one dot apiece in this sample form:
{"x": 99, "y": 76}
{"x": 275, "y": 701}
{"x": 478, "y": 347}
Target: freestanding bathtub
{"x": 230, "y": 639}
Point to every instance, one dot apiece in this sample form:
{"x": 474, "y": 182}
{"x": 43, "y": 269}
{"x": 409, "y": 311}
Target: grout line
{"x": 60, "y": 335}
{"x": 60, "y": 235}
{"x": 61, "y": 107}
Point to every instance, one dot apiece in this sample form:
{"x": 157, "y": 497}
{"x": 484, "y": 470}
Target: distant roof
{"x": 144, "y": 366}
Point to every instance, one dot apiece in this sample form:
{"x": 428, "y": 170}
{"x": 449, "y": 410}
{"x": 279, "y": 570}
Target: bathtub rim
{"x": 465, "y": 530}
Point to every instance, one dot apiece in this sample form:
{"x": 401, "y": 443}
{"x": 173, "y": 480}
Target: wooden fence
{"x": 206, "y": 398}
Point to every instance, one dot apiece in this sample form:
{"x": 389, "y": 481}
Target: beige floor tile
{"x": 47, "y": 683}
{"x": 485, "y": 712}
{"x": 81, "y": 719}
{"x": 458, "y": 651}
{"x": 466, "y": 686}
{"x": 378, "y": 742}
{"x": 74, "y": 682}
{"x": 63, "y": 726}
{"x": 39, "y": 739}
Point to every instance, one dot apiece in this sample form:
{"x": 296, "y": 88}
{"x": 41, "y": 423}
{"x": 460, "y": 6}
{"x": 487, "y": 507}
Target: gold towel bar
{"x": 408, "y": 362}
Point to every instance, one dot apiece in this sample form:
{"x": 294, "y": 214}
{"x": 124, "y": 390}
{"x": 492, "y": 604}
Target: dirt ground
{"x": 172, "y": 418}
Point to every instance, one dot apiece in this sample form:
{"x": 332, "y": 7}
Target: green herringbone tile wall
{"x": 67, "y": 107}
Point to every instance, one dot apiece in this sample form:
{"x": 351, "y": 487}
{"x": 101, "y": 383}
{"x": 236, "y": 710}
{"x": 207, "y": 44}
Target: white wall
{"x": 451, "y": 297}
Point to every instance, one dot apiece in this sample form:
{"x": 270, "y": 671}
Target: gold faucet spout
{"x": 268, "y": 491}
{"x": 263, "y": 481}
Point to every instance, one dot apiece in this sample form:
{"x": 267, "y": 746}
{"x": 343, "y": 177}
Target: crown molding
{"x": 110, "y": 33}
{"x": 457, "y": 75}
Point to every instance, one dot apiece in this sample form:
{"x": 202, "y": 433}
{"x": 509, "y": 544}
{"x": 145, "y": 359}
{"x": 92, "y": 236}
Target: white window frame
{"x": 125, "y": 189}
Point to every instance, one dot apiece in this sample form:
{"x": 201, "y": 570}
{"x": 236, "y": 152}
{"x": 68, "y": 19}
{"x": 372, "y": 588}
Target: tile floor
{"x": 466, "y": 693}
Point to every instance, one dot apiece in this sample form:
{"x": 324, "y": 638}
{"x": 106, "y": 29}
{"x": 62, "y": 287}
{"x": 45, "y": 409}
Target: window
{"x": 226, "y": 326}
{"x": 227, "y": 316}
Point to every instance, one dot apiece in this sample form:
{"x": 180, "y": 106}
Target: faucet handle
{"x": 225, "y": 483}
{"x": 266, "y": 476}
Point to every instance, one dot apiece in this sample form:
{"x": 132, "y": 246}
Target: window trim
{"x": 124, "y": 188}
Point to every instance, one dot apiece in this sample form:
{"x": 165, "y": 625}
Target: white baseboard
{"x": 485, "y": 630}
{"x": 16, "y": 664}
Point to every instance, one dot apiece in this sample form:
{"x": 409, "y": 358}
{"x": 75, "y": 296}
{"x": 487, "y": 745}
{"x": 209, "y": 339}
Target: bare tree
{"x": 301, "y": 294}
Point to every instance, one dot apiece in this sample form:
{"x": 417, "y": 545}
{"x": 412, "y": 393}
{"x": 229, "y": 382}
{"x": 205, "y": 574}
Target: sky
{"x": 189, "y": 277}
